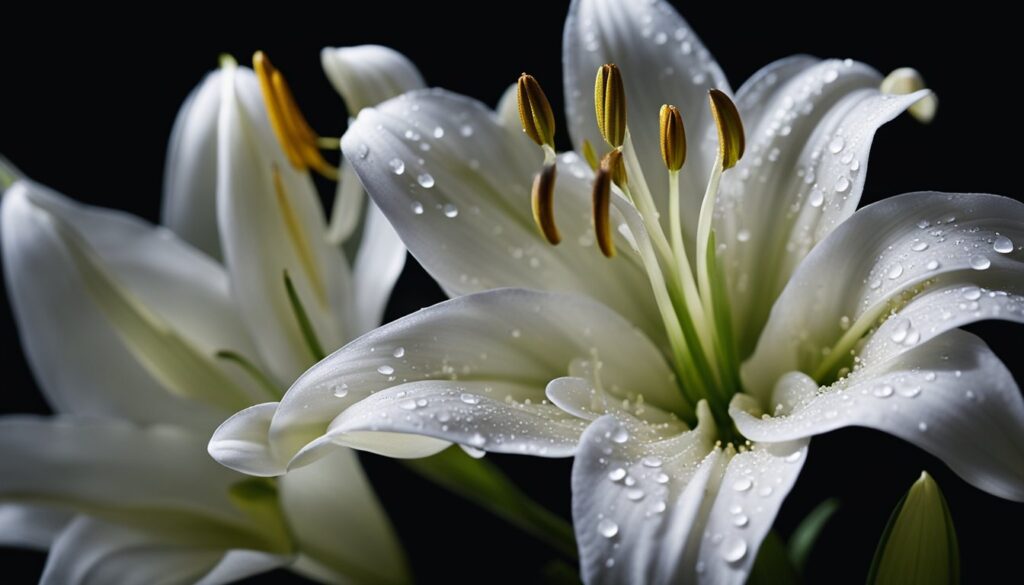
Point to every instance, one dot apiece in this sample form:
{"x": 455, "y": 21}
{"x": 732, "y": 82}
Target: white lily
{"x": 837, "y": 320}
{"x": 142, "y": 344}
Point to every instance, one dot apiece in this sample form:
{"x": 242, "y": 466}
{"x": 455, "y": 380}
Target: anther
{"x": 610, "y": 104}
{"x": 602, "y": 200}
{"x": 535, "y": 112}
{"x": 907, "y": 80}
{"x": 731, "y": 142}
{"x": 673, "y": 137}
{"x": 542, "y": 199}
{"x": 589, "y": 155}
{"x": 615, "y": 165}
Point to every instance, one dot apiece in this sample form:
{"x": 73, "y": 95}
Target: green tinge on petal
{"x": 257, "y": 498}
{"x": 302, "y": 317}
{"x": 181, "y": 367}
{"x": 919, "y": 545}
{"x": 8, "y": 174}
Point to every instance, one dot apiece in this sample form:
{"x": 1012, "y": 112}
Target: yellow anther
{"x": 542, "y": 200}
{"x": 615, "y": 165}
{"x": 730, "y": 129}
{"x": 602, "y": 200}
{"x": 673, "y": 137}
{"x": 589, "y": 155}
{"x": 535, "y": 112}
{"x": 297, "y": 139}
{"x": 610, "y": 105}
{"x": 906, "y": 80}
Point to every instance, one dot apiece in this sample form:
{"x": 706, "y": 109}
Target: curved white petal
{"x": 637, "y": 493}
{"x": 662, "y": 62}
{"x": 158, "y": 479}
{"x": 891, "y": 250}
{"x": 88, "y": 363}
{"x": 810, "y": 127}
{"x": 951, "y": 396}
{"x": 90, "y": 552}
{"x": 189, "y": 206}
{"x": 366, "y": 75}
{"x": 236, "y": 565}
{"x": 378, "y": 265}
{"x": 461, "y": 203}
{"x": 338, "y": 522}
{"x": 33, "y": 527}
{"x": 750, "y": 494}
{"x": 240, "y": 442}
{"x": 507, "y": 110}
{"x": 505, "y": 336}
{"x": 269, "y": 227}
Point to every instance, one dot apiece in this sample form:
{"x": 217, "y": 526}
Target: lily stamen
{"x": 298, "y": 140}
{"x": 538, "y": 121}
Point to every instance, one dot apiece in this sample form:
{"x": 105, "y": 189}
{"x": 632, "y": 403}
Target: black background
{"x": 88, "y": 97}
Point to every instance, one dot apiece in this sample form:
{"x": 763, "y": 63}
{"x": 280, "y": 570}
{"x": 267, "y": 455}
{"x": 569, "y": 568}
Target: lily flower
{"x": 746, "y": 308}
{"x": 142, "y": 343}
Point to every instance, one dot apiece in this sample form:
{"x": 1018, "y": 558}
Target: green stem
{"x": 482, "y": 483}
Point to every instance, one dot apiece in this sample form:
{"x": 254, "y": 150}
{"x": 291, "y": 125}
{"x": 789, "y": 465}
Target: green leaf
{"x": 919, "y": 544}
{"x": 482, "y": 483}
{"x": 806, "y": 534}
{"x": 772, "y": 566}
{"x": 302, "y": 317}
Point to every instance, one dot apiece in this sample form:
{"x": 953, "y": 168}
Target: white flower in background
{"x": 142, "y": 344}
{"x": 686, "y": 383}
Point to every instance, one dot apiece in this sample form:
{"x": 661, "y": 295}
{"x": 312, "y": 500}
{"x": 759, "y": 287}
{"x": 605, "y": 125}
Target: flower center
{"x": 690, "y": 296}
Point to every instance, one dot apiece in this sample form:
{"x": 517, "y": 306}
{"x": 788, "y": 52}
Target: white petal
{"x": 240, "y": 564}
{"x": 504, "y": 336}
{"x": 90, "y": 552}
{"x": 158, "y": 478}
{"x": 886, "y": 250}
{"x": 662, "y": 62}
{"x": 950, "y": 396}
{"x": 810, "y": 128}
{"x": 87, "y": 363}
{"x": 366, "y": 75}
{"x": 461, "y": 203}
{"x": 240, "y": 442}
{"x": 749, "y": 497}
{"x": 267, "y": 231}
{"x": 637, "y": 494}
{"x": 508, "y": 110}
{"x": 29, "y": 526}
{"x": 379, "y": 263}
{"x": 337, "y": 521}
{"x": 190, "y": 172}
{"x": 497, "y": 416}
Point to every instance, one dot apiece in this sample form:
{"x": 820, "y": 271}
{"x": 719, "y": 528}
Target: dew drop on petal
{"x": 340, "y": 390}
{"x": 972, "y": 294}
{"x": 450, "y": 210}
{"x": 477, "y": 440}
{"x": 397, "y": 166}
{"x": 816, "y": 198}
{"x": 466, "y": 130}
{"x": 741, "y": 520}
{"x": 734, "y": 550}
{"x": 895, "y": 271}
{"x": 842, "y": 185}
{"x": 919, "y": 246}
{"x": 362, "y": 151}
{"x": 473, "y": 452}
{"x": 620, "y": 435}
{"x": 635, "y": 494}
{"x": 661, "y": 478}
{"x": 438, "y": 132}
{"x": 836, "y": 145}
{"x": 979, "y": 262}
{"x": 617, "y": 474}
{"x": 922, "y": 426}
{"x": 651, "y": 461}
{"x": 742, "y": 484}
{"x": 743, "y": 235}
{"x": 1003, "y": 245}
{"x": 882, "y": 391}
{"x": 426, "y": 180}
{"x": 385, "y": 370}
{"x": 469, "y": 398}
{"x": 417, "y": 207}
{"x": 607, "y": 528}
{"x": 932, "y": 265}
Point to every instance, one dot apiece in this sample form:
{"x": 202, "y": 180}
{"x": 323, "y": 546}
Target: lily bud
{"x": 731, "y": 142}
{"x": 535, "y": 112}
{"x": 673, "y": 137}
{"x": 610, "y": 105}
{"x": 919, "y": 544}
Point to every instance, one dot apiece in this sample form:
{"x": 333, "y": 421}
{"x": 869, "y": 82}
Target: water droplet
{"x": 932, "y": 265}
{"x": 658, "y": 507}
{"x": 919, "y": 246}
{"x": 844, "y": 322}
{"x": 426, "y": 180}
{"x": 363, "y": 151}
{"x": 895, "y": 271}
{"x": 466, "y": 130}
{"x": 734, "y": 550}
{"x": 469, "y": 398}
{"x": 794, "y": 456}
{"x": 743, "y": 484}
{"x": 969, "y": 394}
{"x": 980, "y": 262}
{"x": 386, "y": 370}
{"x": 609, "y": 563}
{"x": 635, "y": 494}
{"x": 930, "y": 376}
{"x": 765, "y": 491}
{"x": 477, "y": 440}
{"x": 842, "y": 185}
{"x": 830, "y": 76}
{"x": 660, "y": 38}
{"x": 450, "y": 210}
{"x": 875, "y": 283}
{"x": 607, "y": 528}
{"x": 741, "y": 520}
{"x": 516, "y": 333}
{"x": 743, "y": 235}
{"x": 661, "y": 478}
{"x": 617, "y": 474}
{"x": 340, "y": 390}
{"x": 473, "y": 452}
{"x": 972, "y": 294}
{"x": 836, "y": 145}
{"x": 686, "y": 47}
{"x": 397, "y": 166}
{"x": 398, "y": 352}
{"x": 816, "y": 197}
{"x": 910, "y": 391}
{"x": 882, "y": 391}
{"x": 620, "y": 435}
{"x": 924, "y": 224}
{"x": 651, "y": 461}
{"x": 438, "y": 132}
{"x": 1003, "y": 245}
{"x": 417, "y": 207}
{"x": 900, "y": 330}
{"x": 407, "y": 404}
